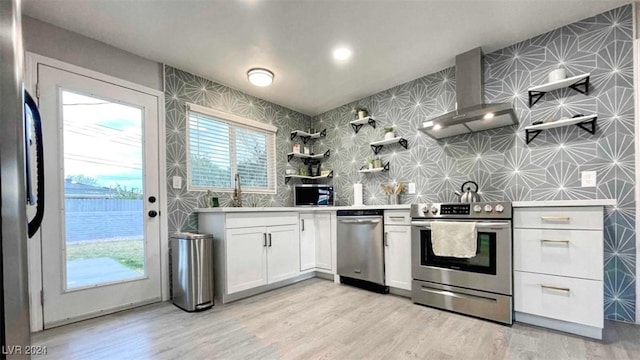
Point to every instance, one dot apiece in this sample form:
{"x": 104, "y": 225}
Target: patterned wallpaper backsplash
{"x": 182, "y": 87}
{"x": 499, "y": 160}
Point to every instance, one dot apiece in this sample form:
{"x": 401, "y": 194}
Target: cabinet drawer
{"x": 580, "y": 218}
{"x": 562, "y": 298}
{"x": 397, "y": 217}
{"x": 244, "y": 220}
{"x": 576, "y": 253}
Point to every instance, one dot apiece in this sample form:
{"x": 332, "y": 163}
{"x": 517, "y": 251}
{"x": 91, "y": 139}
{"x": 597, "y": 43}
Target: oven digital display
{"x": 455, "y": 209}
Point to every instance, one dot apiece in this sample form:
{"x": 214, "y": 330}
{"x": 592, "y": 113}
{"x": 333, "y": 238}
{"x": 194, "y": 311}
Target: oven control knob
{"x": 477, "y": 208}
{"x": 499, "y": 208}
{"x": 434, "y": 210}
{"x": 488, "y": 208}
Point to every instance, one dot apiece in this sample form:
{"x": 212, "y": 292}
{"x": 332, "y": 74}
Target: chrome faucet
{"x": 237, "y": 193}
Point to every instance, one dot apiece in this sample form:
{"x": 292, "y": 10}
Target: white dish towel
{"x": 454, "y": 238}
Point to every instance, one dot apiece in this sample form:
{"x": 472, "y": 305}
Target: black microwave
{"x": 313, "y": 195}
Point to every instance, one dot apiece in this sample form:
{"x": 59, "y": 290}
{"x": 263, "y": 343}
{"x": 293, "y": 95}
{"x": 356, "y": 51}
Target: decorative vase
{"x": 389, "y": 135}
{"x": 362, "y": 114}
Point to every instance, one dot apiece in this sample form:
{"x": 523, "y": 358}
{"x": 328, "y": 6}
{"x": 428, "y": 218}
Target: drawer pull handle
{"x": 555, "y": 288}
{"x": 555, "y": 218}
{"x": 396, "y": 217}
{"x": 555, "y": 241}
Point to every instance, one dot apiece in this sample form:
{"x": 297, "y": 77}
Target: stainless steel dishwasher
{"x": 360, "y": 249}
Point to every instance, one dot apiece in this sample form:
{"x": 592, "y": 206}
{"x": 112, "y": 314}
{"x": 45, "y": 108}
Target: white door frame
{"x": 636, "y": 85}
{"x": 35, "y": 244}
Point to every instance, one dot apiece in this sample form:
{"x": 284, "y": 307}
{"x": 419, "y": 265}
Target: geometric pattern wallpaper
{"x": 182, "y": 87}
{"x": 499, "y": 160}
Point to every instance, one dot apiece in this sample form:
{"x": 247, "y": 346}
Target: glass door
{"x": 103, "y": 191}
{"x": 483, "y": 262}
{"x": 100, "y": 235}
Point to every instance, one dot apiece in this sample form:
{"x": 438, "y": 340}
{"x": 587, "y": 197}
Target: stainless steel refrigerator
{"x": 20, "y": 133}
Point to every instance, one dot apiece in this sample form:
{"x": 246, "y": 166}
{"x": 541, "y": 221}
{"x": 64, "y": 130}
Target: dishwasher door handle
{"x": 360, "y": 221}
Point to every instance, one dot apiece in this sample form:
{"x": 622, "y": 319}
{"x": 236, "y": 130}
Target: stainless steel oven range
{"x": 480, "y": 286}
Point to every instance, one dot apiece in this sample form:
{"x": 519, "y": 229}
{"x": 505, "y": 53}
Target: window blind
{"x": 221, "y": 145}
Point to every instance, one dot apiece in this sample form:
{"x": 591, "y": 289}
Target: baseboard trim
{"x": 324, "y": 275}
{"x": 400, "y": 292}
{"x": 578, "y": 329}
{"x": 260, "y": 289}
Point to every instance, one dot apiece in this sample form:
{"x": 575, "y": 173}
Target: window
{"x": 221, "y": 145}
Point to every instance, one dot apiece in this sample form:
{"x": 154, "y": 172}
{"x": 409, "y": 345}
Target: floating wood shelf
{"x": 358, "y": 124}
{"x": 579, "y": 83}
{"x": 305, "y": 136}
{"x": 586, "y": 123}
{"x": 375, "y": 170}
{"x": 377, "y": 145}
{"x": 307, "y": 158}
{"x": 305, "y": 178}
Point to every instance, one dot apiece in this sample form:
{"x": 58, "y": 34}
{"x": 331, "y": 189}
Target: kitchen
{"x": 532, "y": 171}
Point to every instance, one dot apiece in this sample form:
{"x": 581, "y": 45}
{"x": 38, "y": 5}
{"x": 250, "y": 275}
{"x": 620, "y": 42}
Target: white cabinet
{"x": 307, "y": 242}
{"x": 283, "y": 254}
{"x": 397, "y": 256}
{"x": 258, "y": 256}
{"x": 323, "y": 230}
{"x": 315, "y": 241}
{"x": 246, "y": 259}
{"x": 558, "y": 268}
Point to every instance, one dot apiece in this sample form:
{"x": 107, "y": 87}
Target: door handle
{"x": 269, "y": 239}
{"x": 34, "y": 224}
{"x": 359, "y": 221}
{"x": 152, "y": 199}
{"x": 555, "y": 218}
{"x": 264, "y": 242}
{"x": 396, "y": 217}
{"x": 386, "y": 239}
{"x": 555, "y": 241}
{"x": 153, "y": 213}
{"x": 479, "y": 225}
{"x": 555, "y": 288}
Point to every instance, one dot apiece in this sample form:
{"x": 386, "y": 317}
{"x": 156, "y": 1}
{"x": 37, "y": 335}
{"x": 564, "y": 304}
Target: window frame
{"x": 237, "y": 122}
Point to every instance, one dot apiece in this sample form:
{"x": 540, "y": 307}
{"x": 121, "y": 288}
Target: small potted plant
{"x": 388, "y": 133}
{"x": 371, "y": 160}
{"x": 362, "y": 112}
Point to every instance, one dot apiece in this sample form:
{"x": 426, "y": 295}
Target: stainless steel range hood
{"x": 472, "y": 114}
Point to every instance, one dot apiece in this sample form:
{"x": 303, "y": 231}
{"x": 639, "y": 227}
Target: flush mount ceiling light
{"x": 260, "y": 77}
{"x": 341, "y": 54}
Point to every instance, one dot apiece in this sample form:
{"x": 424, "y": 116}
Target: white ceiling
{"x": 392, "y": 41}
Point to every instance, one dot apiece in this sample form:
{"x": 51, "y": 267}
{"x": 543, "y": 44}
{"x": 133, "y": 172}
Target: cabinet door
{"x": 246, "y": 258}
{"x": 283, "y": 259}
{"x": 397, "y": 256}
{"x": 323, "y": 241}
{"x": 307, "y": 242}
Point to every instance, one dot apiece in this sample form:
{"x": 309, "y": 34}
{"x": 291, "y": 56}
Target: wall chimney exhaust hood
{"x": 472, "y": 114}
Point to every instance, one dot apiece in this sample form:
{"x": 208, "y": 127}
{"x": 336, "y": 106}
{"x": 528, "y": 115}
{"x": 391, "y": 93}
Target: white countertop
{"x": 302, "y": 209}
{"x": 565, "y": 203}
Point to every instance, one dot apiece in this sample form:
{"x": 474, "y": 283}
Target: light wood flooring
{"x": 318, "y": 319}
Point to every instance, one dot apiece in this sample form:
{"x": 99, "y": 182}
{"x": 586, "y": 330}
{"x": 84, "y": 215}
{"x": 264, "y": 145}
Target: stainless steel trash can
{"x": 192, "y": 271}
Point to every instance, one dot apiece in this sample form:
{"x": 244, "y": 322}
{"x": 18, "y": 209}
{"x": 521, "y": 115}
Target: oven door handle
{"x": 479, "y": 225}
